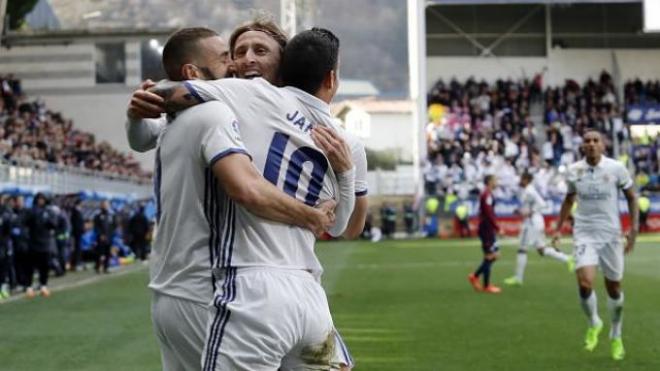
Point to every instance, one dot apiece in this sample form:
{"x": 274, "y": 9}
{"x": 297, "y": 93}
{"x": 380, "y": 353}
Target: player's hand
{"x": 630, "y": 242}
{"x": 324, "y": 218}
{"x": 334, "y": 147}
{"x": 145, "y": 104}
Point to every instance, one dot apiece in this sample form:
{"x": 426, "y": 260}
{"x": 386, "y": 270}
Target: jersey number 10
{"x": 294, "y": 168}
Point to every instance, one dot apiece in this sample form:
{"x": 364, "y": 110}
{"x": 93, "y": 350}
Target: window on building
{"x": 110, "y": 60}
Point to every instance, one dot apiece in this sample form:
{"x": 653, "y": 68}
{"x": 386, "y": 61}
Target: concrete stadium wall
{"x": 578, "y": 64}
{"x": 63, "y": 66}
{"x": 391, "y": 131}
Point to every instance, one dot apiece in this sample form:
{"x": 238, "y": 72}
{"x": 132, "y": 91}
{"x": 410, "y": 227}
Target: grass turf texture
{"x": 400, "y": 305}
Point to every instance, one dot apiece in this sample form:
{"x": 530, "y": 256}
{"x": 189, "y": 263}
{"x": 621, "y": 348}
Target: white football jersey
{"x": 597, "y": 188}
{"x": 534, "y": 203}
{"x": 192, "y": 212}
{"x": 233, "y": 91}
{"x": 276, "y": 131}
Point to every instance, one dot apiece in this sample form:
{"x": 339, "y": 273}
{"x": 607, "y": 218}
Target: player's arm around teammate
{"x": 144, "y": 122}
{"x": 339, "y": 154}
{"x": 238, "y": 177}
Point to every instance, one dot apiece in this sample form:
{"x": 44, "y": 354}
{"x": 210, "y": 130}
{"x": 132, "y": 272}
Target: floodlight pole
{"x": 3, "y": 18}
{"x": 417, "y": 83}
{"x": 288, "y": 16}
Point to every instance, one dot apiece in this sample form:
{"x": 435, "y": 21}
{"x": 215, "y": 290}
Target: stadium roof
{"x": 496, "y": 2}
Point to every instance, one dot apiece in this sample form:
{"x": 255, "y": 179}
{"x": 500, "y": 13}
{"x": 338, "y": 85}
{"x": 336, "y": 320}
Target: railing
{"x": 399, "y": 182}
{"x": 60, "y": 179}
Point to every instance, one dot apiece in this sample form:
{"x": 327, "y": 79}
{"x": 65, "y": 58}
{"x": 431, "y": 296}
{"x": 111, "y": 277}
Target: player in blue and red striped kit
{"x": 487, "y": 234}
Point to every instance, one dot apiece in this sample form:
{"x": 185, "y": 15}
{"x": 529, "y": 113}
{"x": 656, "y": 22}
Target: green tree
{"x": 383, "y": 159}
{"x": 17, "y": 10}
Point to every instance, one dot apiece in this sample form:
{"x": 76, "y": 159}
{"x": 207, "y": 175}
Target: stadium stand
{"x": 486, "y": 129}
{"x": 489, "y": 129}
{"x": 41, "y": 150}
{"x": 510, "y": 127}
{"x": 30, "y": 132}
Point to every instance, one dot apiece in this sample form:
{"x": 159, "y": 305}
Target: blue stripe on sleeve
{"x": 226, "y": 153}
{"x": 193, "y": 91}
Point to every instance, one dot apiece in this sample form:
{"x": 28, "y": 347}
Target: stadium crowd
{"x": 487, "y": 129}
{"x": 59, "y": 234}
{"x": 29, "y": 131}
{"x": 638, "y": 91}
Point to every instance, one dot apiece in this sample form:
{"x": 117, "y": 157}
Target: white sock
{"x": 590, "y": 308}
{"x": 549, "y": 251}
{"x": 615, "y": 308}
{"x": 521, "y": 263}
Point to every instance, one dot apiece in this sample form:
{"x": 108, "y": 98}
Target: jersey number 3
{"x": 294, "y": 169}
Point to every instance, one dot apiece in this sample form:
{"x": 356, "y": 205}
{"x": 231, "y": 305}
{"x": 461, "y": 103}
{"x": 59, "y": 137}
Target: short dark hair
{"x": 527, "y": 176}
{"x": 592, "y": 130}
{"x": 262, "y": 24}
{"x": 308, "y": 57}
{"x": 180, "y": 49}
{"x": 488, "y": 178}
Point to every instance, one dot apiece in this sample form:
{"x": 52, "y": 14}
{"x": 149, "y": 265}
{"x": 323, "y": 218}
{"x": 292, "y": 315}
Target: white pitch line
{"x": 80, "y": 283}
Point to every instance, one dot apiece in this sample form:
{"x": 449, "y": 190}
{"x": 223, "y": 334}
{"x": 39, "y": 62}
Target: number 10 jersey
{"x": 276, "y": 130}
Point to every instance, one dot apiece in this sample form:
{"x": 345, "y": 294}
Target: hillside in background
{"x": 376, "y": 53}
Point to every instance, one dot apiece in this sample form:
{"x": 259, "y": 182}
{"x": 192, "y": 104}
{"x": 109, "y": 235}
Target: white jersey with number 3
{"x": 597, "y": 189}
{"x": 276, "y": 132}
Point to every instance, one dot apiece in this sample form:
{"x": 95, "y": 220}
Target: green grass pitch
{"x": 400, "y": 305}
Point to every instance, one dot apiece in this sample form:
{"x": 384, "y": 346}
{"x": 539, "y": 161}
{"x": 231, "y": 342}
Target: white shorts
{"x": 606, "y": 255}
{"x": 532, "y": 236}
{"x": 269, "y": 319}
{"x": 342, "y": 356}
{"x": 180, "y": 327}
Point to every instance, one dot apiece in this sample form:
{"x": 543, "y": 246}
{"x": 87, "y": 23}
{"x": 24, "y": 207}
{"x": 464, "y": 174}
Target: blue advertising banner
{"x": 646, "y": 114}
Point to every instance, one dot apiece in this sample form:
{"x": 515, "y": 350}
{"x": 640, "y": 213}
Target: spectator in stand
{"x": 104, "y": 226}
{"x": 138, "y": 232}
{"x": 40, "y": 223}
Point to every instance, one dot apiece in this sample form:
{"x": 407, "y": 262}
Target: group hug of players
{"x": 249, "y": 171}
{"x": 246, "y": 181}
{"x": 594, "y": 183}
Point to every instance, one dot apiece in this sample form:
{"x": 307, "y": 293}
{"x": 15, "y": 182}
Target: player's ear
{"x": 190, "y": 72}
{"x": 330, "y": 80}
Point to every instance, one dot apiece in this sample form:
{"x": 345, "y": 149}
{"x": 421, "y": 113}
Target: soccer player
{"x": 595, "y": 182}
{"x": 487, "y": 234}
{"x": 196, "y": 219}
{"x": 277, "y": 130}
{"x": 533, "y": 231}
